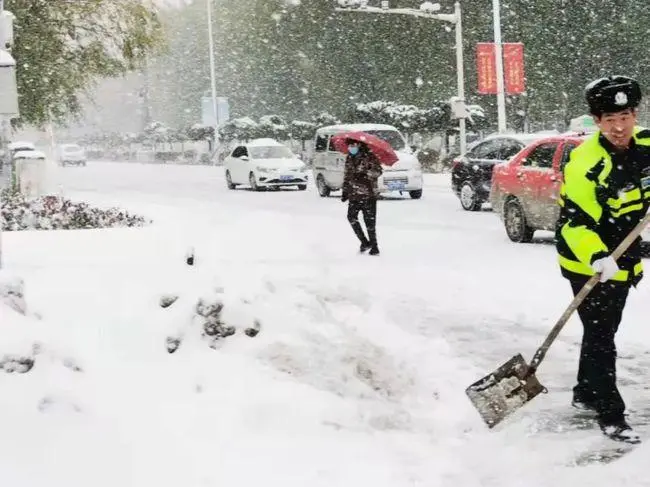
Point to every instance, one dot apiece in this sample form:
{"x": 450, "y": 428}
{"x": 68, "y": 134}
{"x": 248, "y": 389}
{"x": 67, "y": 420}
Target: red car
{"x": 525, "y": 189}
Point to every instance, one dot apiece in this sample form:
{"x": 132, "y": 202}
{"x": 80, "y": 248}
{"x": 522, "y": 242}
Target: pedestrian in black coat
{"x": 362, "y": 169}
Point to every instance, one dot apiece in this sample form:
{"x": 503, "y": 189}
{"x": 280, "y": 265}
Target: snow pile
{"x": 57, "y": 213}
{"x": 327, "y": 375}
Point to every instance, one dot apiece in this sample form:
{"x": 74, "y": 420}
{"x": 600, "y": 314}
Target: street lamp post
{"x": 3, "y": 129}
{"x": 456, "y": 19}
{"x": 498, "y": 46}
{"x": 213, "y": 78}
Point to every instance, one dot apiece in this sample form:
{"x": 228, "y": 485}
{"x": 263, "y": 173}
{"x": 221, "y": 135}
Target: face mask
{"x": 353, "y": 150}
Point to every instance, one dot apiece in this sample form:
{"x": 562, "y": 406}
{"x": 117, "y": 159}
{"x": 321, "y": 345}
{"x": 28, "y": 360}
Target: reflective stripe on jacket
{"x": 604, "y": 195}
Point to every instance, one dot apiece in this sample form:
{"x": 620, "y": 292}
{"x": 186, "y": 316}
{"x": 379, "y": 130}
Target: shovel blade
{"x": 499, "y": 394}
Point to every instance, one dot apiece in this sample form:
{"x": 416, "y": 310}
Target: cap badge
{"x": 620, "y": 98}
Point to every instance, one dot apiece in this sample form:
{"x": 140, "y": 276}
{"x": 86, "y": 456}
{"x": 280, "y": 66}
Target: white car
{"x": 71, "y": 154}
{"x": 328, "y": 164}
{"x": 264, "y": 163}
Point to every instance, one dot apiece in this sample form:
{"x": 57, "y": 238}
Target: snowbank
{"x": 329, "y": 392}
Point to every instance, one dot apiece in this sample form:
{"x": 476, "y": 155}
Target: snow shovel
{"x": 512, "y": 385}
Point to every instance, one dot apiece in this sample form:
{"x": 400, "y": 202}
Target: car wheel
{"x": 253, "y": 182}
{"x": 229, "y": 182}
{"x": 517, "y": 227}
{"x": 302, "y": 187}
{"x": 323, "y": 190}
{"x": 416, "y": 194}
{"x": 468, "y": 198}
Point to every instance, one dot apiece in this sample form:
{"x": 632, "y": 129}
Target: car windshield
{"x": 391, "y": 136}
{"x": 270, "y": 152}
{"x": 71, "y": 148}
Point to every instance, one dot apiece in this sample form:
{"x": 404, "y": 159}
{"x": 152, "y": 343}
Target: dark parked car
{"x": 471, "y": 173}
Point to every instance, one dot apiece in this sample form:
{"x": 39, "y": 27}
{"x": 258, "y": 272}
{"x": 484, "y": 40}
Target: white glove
{"x": 607, "y": 267}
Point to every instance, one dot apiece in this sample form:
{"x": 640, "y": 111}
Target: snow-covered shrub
{"x": 200, "y": 132}
{"x": 243, "y": 128}
{"x": 301, "y": 130}
{"x": 477, "y": 119}
{"x": 410, "y": 118}
{"x": 325, "y": 118}
{"x": 57, "y": 213}
{"x": 272, "y": 126}
{"x": 388, "y": 112}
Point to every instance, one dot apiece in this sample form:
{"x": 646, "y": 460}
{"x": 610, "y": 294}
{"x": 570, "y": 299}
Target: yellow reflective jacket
{"x": 604, "y": 195}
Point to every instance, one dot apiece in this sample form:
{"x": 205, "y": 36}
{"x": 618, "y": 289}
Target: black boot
{"x": 358, "y": 231}
{"x": 619, "y": 431}
{"x": 372, "y": 234}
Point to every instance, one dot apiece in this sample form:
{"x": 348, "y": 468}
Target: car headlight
{"x": 264, "y": 169}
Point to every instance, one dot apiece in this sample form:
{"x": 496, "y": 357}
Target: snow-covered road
{"x": 449, "y": 299}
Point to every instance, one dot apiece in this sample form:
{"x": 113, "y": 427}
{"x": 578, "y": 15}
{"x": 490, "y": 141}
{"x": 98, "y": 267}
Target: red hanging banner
{"x": 486, "y": 68}
{"x": 513, "y": 68}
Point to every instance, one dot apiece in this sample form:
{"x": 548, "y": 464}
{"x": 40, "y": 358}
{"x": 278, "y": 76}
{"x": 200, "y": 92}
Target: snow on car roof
{"x": 523, "y": 137}
{"x": 21, "y": 145}
{"x": 354, "y": 127}
{"x": 29, "y": 154}
{"x": 263, "y": 142}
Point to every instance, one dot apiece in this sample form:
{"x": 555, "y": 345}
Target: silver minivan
{"x": 405, "y": 176}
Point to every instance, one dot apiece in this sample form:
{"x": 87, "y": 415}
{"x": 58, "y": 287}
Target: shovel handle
{"x": 579, "y": 298}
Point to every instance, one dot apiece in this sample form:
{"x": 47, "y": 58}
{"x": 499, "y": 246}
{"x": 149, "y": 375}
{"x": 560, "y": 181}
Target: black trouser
{"x": 368, "y": 207}
{"x": 600, "y": 313}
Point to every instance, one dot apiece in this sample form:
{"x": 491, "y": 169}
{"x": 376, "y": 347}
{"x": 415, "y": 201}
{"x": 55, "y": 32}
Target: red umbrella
{"x": 379, "y": 147}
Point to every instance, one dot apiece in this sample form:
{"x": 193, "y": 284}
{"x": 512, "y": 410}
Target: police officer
{"x": 606, "y": 192}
